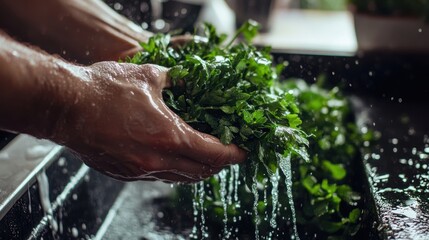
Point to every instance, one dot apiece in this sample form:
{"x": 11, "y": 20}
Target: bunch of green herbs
{"x": 229, "y": 92}
{"x": 232, "y": 91}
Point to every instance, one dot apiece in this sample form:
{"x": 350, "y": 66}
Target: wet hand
{"x": 121, "y": 126}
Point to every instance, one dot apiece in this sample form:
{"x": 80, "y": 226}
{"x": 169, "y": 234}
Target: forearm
{"x": 35, "y": 88}
{"x": 86, "y": 31}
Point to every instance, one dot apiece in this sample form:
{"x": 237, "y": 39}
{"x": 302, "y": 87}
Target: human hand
{"x": 120, "y": 124}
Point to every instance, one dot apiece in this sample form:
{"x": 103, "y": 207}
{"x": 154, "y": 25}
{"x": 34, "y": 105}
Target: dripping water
{"x": 43, "y": 183}
{"x": 29, "y": 200}
{"x": 255, "y": 203}
{"x": 201, "y": 196}
{"x": 286, "y": 168}
{"x": 234, "y": 183}
{"x": 275, "y": 198}
{"x": 194, "y": 233}
{"x": 223, "y": 197}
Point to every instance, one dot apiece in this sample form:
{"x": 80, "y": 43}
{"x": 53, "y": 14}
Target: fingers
{"x": 207, "y": 149}
{"x": 201, "y": 147}
{"x": 168, "y": 177}
{"x": 190, "y": 168}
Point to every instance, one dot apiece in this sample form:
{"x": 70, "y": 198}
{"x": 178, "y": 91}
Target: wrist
{"x": 61, "y": 98}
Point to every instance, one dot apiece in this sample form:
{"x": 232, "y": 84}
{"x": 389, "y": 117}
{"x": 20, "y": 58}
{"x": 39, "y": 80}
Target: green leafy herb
{"x": 232, "y": 92}
{"x": 229, "y": 92}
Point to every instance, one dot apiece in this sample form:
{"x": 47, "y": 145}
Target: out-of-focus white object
{"x": 216, "y": 12}
{"x": 310, "y": 31}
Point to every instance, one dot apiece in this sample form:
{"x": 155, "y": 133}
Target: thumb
{"x": 209, "y": 150}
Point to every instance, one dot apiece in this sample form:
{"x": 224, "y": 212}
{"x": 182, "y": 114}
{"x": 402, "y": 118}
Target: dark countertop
{"x": 397, "y": 166}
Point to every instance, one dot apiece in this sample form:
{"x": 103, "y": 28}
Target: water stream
{"x": 286, "y": 168}
{"x": 43, "y": 183}
{"x": 229, "y": 183}
{"x": 255, "y": 203}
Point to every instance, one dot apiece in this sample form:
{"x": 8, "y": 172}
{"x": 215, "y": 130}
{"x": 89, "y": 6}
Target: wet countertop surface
{"x": 397, "y": 166}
